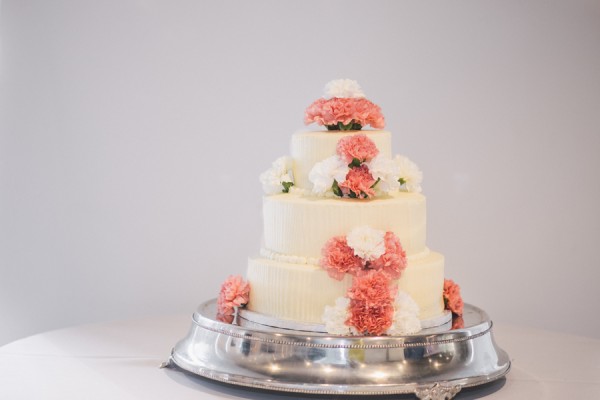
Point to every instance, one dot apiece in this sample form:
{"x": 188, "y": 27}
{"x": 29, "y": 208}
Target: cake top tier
{"x": 342, "y": 161}
{"x": 344, "y": 108}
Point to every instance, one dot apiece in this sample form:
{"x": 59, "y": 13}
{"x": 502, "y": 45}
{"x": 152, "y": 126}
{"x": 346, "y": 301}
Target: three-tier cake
{"x": 344, "y": 247}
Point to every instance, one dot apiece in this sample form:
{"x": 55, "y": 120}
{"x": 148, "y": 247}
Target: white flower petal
{"x": 367, "y": 243}
{"x": 405, "y": 303}
{"x": 347, "y": 88}
{"x": 385, "y": 170}
{"x": 406, "y": 315}
{"x": 410, "y": 173}
{"x": 335, "y": 317}
{"x": 273, "y": 178}
{"x": 404, "y": 325}
{"x": 323, "y": 173}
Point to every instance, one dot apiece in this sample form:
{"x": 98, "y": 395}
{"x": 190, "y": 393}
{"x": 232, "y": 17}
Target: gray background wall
{"x": 133, "y": 132}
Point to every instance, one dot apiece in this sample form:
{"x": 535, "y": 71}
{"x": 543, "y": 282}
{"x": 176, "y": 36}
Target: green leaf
{"x": 402, "y": 181}
{"x": 376, "y": 182}
{"x": 287, "y": 186}
{"x": 351, "y": 126}
{"x": 346, "y": 127}
{"x": 336, "y": 189}
{"x": 352, "y": 195}
{"x": 355, "y": 163}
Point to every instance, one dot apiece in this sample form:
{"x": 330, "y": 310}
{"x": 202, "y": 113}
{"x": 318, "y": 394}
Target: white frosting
{"x": 301, "y": 291}
{"x": 300, "y": 226}
{"x": 310, "y": 147}
{"x": 366, "y": 242}
{"x": 346, "y": 88}
{"x": 287, "y": 258}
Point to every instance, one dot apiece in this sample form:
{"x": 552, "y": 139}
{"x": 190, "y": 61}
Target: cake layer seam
{"x": 294, "y": 259}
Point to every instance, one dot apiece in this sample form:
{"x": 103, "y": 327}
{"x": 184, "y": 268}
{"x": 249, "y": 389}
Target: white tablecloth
{"x": 120, "y": 360}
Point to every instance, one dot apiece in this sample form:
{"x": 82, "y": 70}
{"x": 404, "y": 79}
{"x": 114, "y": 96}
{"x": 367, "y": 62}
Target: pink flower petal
{"x": 235, "y": 292}
{"x": 345, "y": 110}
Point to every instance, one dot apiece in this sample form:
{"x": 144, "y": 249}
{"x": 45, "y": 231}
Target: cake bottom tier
{"x": 300, "y": 292}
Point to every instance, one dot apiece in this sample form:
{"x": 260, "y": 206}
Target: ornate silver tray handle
{"x": 433, "y": 365}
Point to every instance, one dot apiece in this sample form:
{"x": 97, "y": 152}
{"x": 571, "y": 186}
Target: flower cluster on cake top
{"x": 358, "y": 171}
{"x": 344, "y": 107}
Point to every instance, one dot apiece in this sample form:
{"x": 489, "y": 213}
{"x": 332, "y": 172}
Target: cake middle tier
{"x": 300, "y": 292}
{"x": 298, "y": 226}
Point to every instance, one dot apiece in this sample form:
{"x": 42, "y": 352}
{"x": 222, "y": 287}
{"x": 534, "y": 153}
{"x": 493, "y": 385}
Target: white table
{"x": 120, "y": 361}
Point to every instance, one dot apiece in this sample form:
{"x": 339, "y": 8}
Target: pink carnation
{"x": 373, "y": 289}
{"x": 458, "y": 322}
{"x": 358, "y": 183}
{"x": 227, "y": 318}
{"x": 371, "y": 303}
{"x": 329, "y": 112}
{"x": 339, "y": 259}
{"x": 452, "y": 298}
{"x": 235, "y": 292}
{"x": 393, "y": 261}
{"x": 356, "y": 146}
{"x": 374, "y": 320}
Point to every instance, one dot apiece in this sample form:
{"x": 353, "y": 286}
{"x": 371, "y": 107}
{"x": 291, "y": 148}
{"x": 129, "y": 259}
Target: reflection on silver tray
{"x": 249, "y": 318}
{"x": 431, "y": 365}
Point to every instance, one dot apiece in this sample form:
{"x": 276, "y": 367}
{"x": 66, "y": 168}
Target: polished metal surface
{"x": 250, "y": 318}
{"x": 431, "y": 365}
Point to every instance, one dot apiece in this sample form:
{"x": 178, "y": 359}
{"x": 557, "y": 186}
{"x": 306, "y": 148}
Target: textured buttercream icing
{"x": 287, "y": 258}
{"x": 301, "y": 291}
{"x": 299, "y": 226}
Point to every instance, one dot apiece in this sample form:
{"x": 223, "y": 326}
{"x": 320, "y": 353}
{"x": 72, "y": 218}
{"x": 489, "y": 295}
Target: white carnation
{"x": 404, "y": 303}
{"x": 385, "y": 170}
{"x": 367, "y": 243}
{"x": 281, "y": 171}
{"x": 323, "y": 173}
{"x": 406, "y": 316}
{"x": 404, "y": 324}
{"x": 335, "y": 317}
{"x": 409, "y": 173}
{"x": 283, "y": 164}
{"x": 347, "y": 88}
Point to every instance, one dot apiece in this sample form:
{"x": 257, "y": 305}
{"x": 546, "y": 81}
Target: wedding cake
{"x": 344, "y": 247}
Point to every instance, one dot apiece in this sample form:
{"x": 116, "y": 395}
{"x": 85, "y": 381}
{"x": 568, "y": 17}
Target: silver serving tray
{"x": 432, "y": 365}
